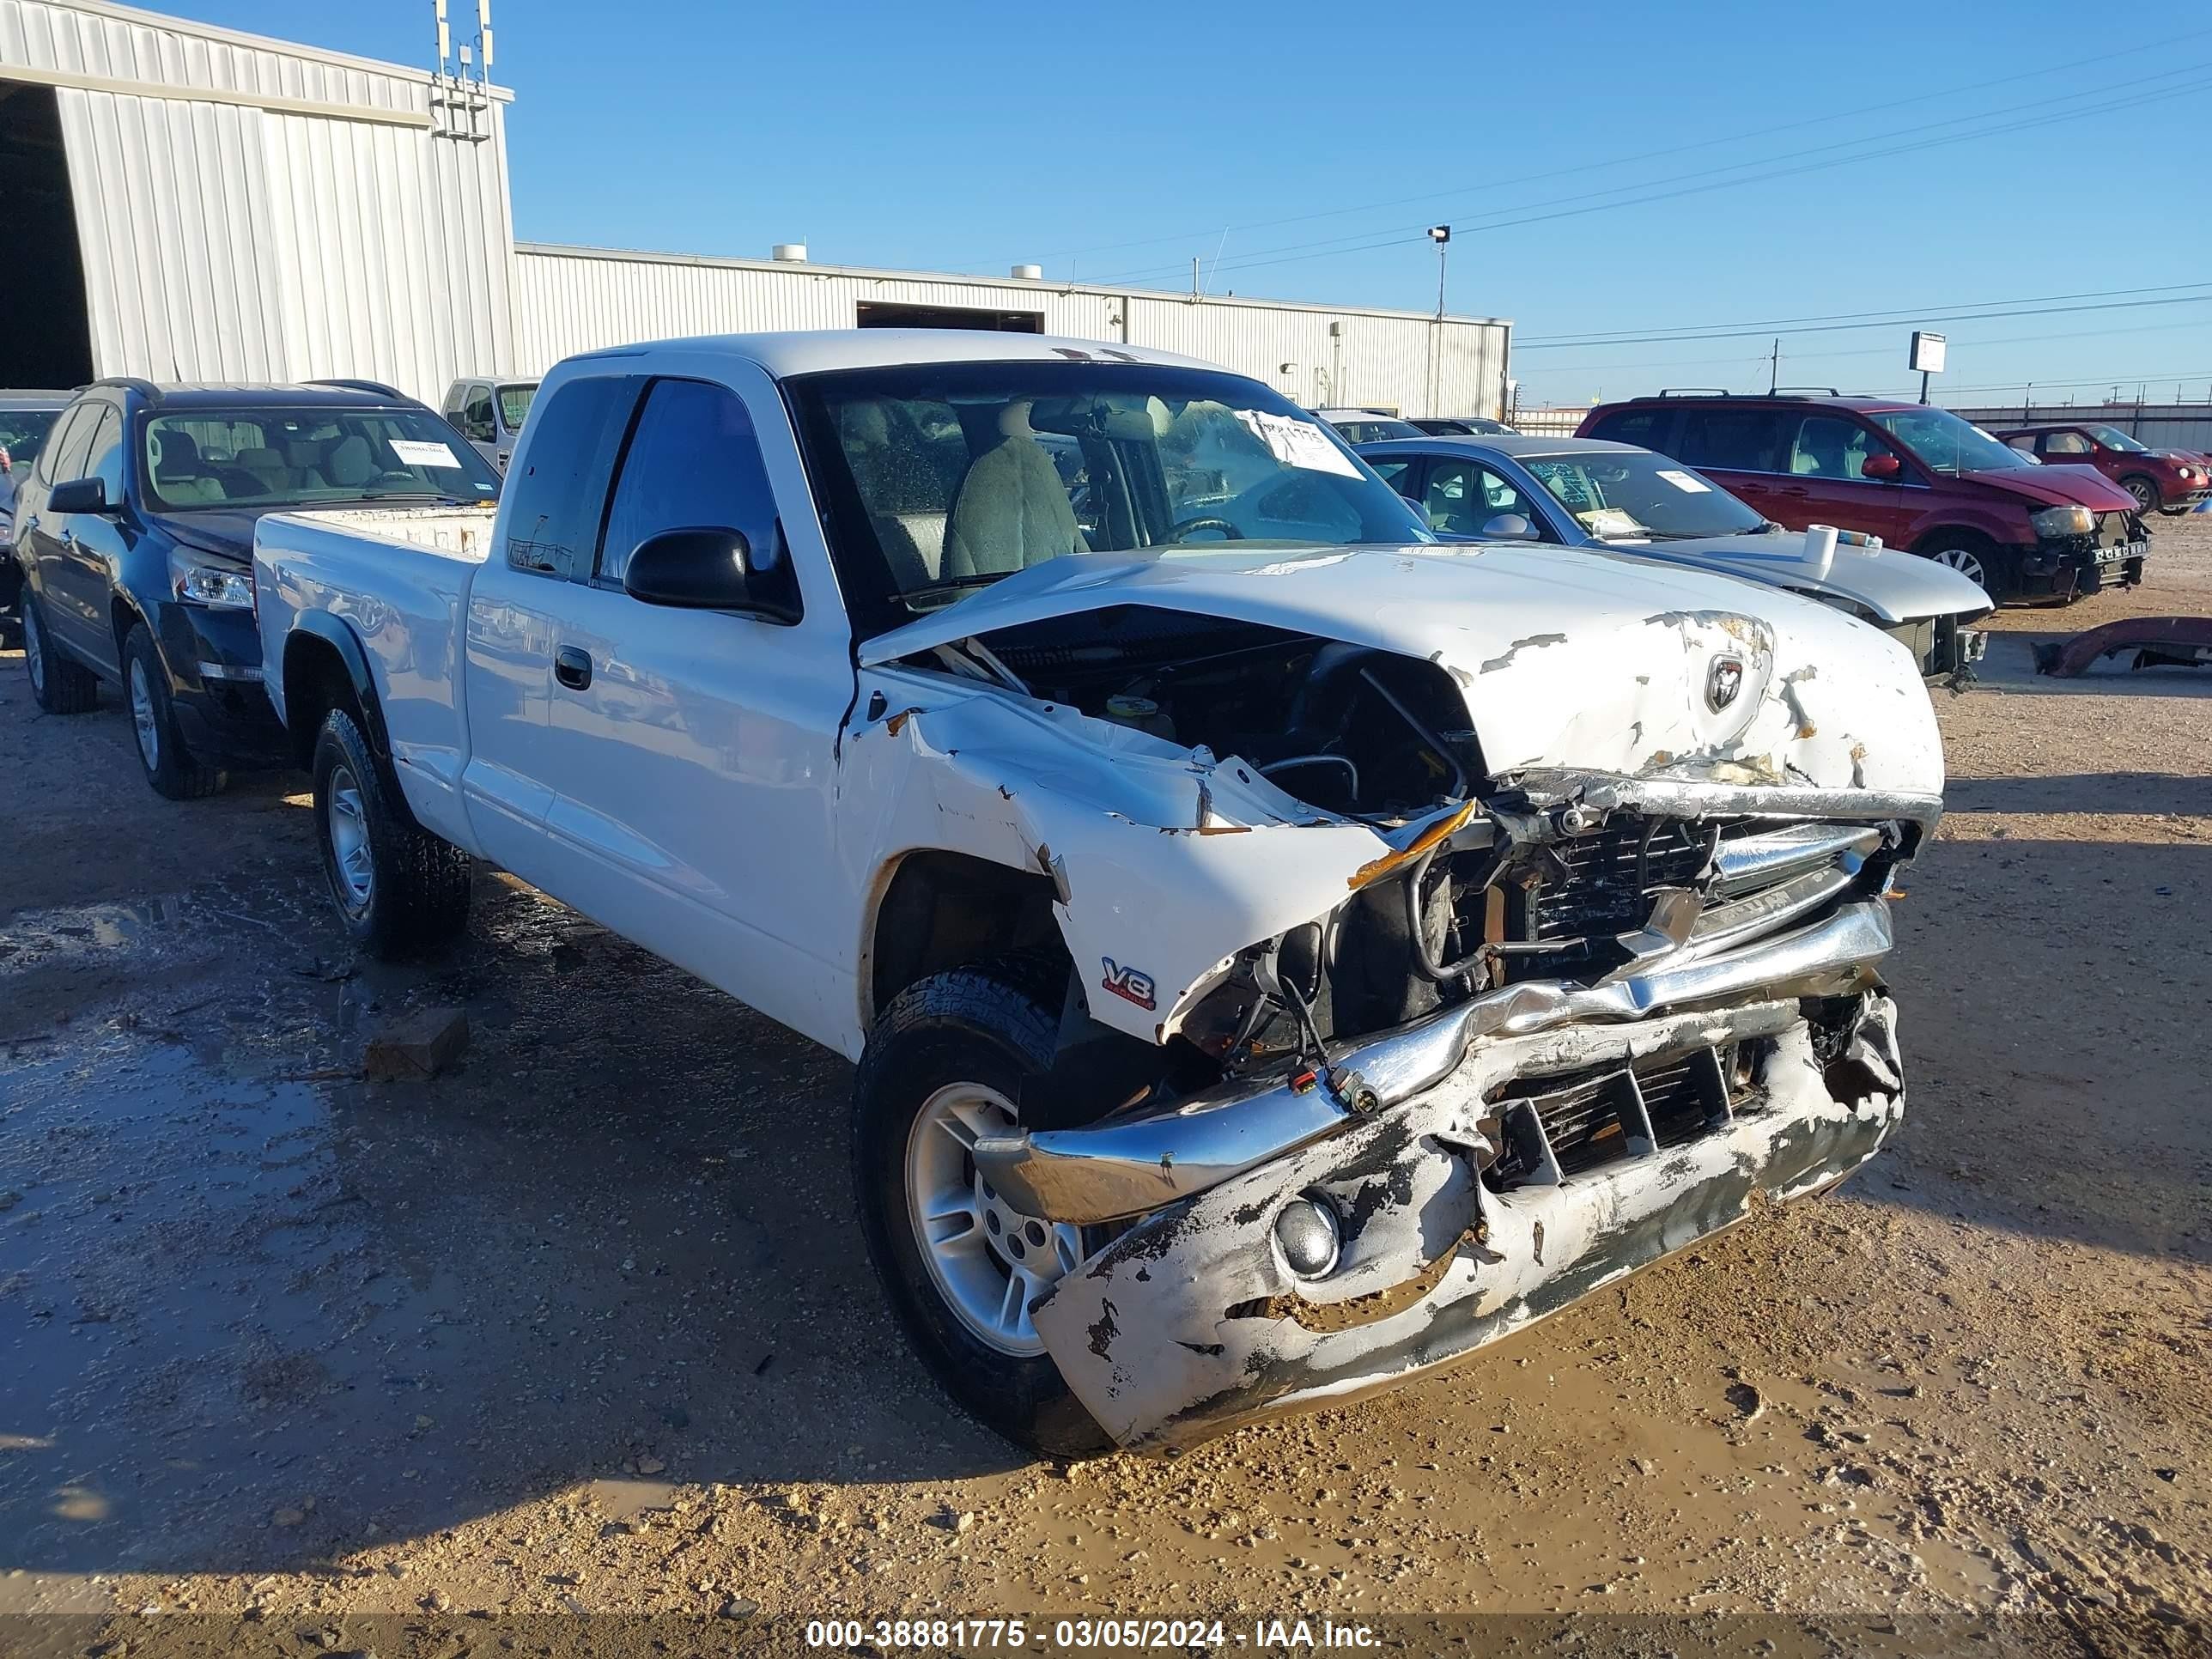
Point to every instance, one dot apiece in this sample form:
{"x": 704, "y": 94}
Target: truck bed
{"x": 399, "y": 577}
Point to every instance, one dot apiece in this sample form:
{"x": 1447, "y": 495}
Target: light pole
{"x": 1441, "y": 235}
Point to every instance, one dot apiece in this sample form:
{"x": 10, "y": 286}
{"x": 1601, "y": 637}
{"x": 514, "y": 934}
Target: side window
{"x": 2023, "y": 442}
{"x": 1733, "y": 440}
{"x": 1631, "y": 426}
{"x": 1828, "y": 446}
{"x": 1462, "y": 497}
{"x": 2066, "y": 443}
{"x": 76, "y": 443}
{"x": 555, "y": 504}
{"x": 1398, "y": 474}
{"x": 476, "y": 421}
{"x": 75, "y": 423}
{"x": 693, "y": 463}
{"x": 454, "y": 399}
{"x": 104, "y": 460}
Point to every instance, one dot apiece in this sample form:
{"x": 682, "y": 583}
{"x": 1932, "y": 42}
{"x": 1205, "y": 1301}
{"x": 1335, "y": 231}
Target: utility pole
{"x": 1774, "y": 369}
{"x": 1441, "y": 235}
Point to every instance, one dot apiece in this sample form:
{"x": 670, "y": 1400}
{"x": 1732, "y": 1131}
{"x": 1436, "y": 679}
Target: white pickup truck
{"x": 1281, "y": 951}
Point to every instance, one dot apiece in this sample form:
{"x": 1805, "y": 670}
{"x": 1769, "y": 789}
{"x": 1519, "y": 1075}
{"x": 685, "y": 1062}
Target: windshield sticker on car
{"x": 416, "y": 453}
{"x": 1296, "y": 443}
{"x": 1696, "y": 486}
{"x": 1608, "y": 522}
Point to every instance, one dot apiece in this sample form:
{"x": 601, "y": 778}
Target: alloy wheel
{"x": 989, "y": 1261}
{"x": 346, "y": 821}
{"x": 1967, "y": 563}
{"x": 35, "y": 648}
{"x": 143, "y": 718}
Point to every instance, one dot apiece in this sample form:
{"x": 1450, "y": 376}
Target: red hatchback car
{"x": 2171, "y": 480}
{"x": 1919, "y": 477}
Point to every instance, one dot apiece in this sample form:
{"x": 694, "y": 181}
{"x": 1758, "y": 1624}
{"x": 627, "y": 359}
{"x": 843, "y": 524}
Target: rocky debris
{"x": 417, "y": 1047}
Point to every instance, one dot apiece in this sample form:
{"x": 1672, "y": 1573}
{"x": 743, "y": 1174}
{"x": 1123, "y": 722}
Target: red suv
{"x": 2171, "y": 480}
{"x": 1917, "y": 476}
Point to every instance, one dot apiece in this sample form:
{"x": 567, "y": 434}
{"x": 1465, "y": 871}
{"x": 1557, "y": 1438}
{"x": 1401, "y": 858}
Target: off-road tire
{"x": 418, "y": 894}
{"x": 996, "y": 1024}
{"x": 2145, "y": 491}
{"x": 171, "y": 767}
{"x": 60, "y": 685}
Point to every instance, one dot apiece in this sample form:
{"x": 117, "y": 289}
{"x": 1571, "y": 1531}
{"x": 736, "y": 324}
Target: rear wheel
{"x": 2145, "y": 491}
{"x": 170, "y": 767}
{"x": 61, "y": 687}
{"x": 400, "y": 888}
{"x": 963, "y": 1266}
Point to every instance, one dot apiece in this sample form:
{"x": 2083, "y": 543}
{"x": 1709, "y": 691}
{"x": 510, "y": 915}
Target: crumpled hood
{"x": 1567, "y": 658}
{"x": 1896, "y": 585}
{"x": 2057, "y": 486}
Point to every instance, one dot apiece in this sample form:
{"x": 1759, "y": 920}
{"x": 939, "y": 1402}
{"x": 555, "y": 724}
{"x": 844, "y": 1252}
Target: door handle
{"x": 68, "y": 537}
{"x": 572, "y": 667}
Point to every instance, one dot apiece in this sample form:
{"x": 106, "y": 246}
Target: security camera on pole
{"x": 1441, "y": 235}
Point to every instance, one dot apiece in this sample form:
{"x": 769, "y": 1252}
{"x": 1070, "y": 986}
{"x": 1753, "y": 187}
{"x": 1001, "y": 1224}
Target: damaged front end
{"x": 1561, "y": 956}
{"x": 1602, "y": 1095}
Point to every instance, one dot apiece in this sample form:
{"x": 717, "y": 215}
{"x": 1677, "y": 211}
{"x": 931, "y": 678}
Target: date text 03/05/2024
{"x": 1081, "y": 1634}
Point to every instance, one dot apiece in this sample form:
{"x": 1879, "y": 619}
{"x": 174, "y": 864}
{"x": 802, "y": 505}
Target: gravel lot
{"x": 585, "y": 1327}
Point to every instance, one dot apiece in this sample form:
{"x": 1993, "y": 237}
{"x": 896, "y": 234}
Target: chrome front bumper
{"x": 1120, "y": 1168}
{"x": 1191, "y": 1323}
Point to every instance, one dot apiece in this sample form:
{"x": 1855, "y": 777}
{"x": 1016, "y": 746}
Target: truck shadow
{"x": 259, "y": 1313}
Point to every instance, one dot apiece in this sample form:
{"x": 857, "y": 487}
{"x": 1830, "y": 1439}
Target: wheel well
{"x": 315, "y": 683}
{"x": 1954, "y": 536}
{"x": 2143, "y": 478}
{"x": 122, "y": 616}
{"x": 942, "y": 909}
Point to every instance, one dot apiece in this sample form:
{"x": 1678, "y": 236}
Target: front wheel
{"x": 171, "y": 767}
{"x": 1987, "y": 568}
{"x": 400, "y": 888}
{"x": 2143, "y": 489}
{"x": 961, "y": 1266}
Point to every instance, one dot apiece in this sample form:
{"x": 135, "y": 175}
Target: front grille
{"x": 1597, "y": 883}
{"x": 1558, "y": 1128}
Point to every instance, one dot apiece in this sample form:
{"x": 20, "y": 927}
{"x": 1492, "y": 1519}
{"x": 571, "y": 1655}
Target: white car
{"x": 1274, "y": 964}
{"x": 1587, "y": 492}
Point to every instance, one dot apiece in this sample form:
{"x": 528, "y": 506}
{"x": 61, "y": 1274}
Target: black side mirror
{"x": 1510, "y": 527}
{"x": 79, "y": 495}
{"x": 707, "y": 568}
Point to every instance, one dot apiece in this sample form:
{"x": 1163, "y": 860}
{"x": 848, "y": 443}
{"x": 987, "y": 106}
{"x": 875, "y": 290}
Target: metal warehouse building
{"x": 187, "y": 203}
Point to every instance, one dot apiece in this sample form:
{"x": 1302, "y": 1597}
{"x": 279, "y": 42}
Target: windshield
{"x": 514, "y": 404}
{"x": 1944, "y": 443}
{"x": 21, "y": 432}
{"x": 2113, "y": 438}
{"x": 263, "y": 458}
{"x": 1635, "y": 496}
{"x": 942, "y": 477}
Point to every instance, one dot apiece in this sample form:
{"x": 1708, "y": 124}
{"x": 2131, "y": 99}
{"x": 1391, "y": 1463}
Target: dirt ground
{"x": 586, "y": 1328}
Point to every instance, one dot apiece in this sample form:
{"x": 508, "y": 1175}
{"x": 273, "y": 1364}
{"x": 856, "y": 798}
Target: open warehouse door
{"x": 44, "y": 339}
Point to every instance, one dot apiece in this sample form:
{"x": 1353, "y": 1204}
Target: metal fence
{"x": 1546, "y": 422}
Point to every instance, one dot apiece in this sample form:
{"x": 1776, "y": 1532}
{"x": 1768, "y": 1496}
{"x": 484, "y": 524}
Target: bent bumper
{"x": 1461, "y": 1218}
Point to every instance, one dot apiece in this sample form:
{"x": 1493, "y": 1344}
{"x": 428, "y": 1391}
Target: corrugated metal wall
{"x": 252, "y": 211}
{"x": 571, "y": 300}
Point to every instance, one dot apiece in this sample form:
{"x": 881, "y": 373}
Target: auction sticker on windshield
{"x": 1684, "y": 481}
{"x": 1296, "y": 443}
{"x": 416, "y": 453}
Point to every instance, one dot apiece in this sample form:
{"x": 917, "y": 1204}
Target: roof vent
{"x": 1030, "y": 273}
{"x": 789, "y": 254}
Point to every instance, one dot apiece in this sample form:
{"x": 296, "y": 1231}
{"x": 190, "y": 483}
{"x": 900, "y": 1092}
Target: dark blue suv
{"x": 134, "y": 533}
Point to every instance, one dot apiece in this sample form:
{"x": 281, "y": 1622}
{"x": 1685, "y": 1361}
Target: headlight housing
{"x": 2056, "y": 522}
{"x": 2186, "y": 472}
{"x": 219, "y": 586}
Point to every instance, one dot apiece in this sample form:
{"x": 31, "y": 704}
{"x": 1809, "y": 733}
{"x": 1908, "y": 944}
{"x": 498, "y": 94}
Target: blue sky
{"x": 1299, "y": 150}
